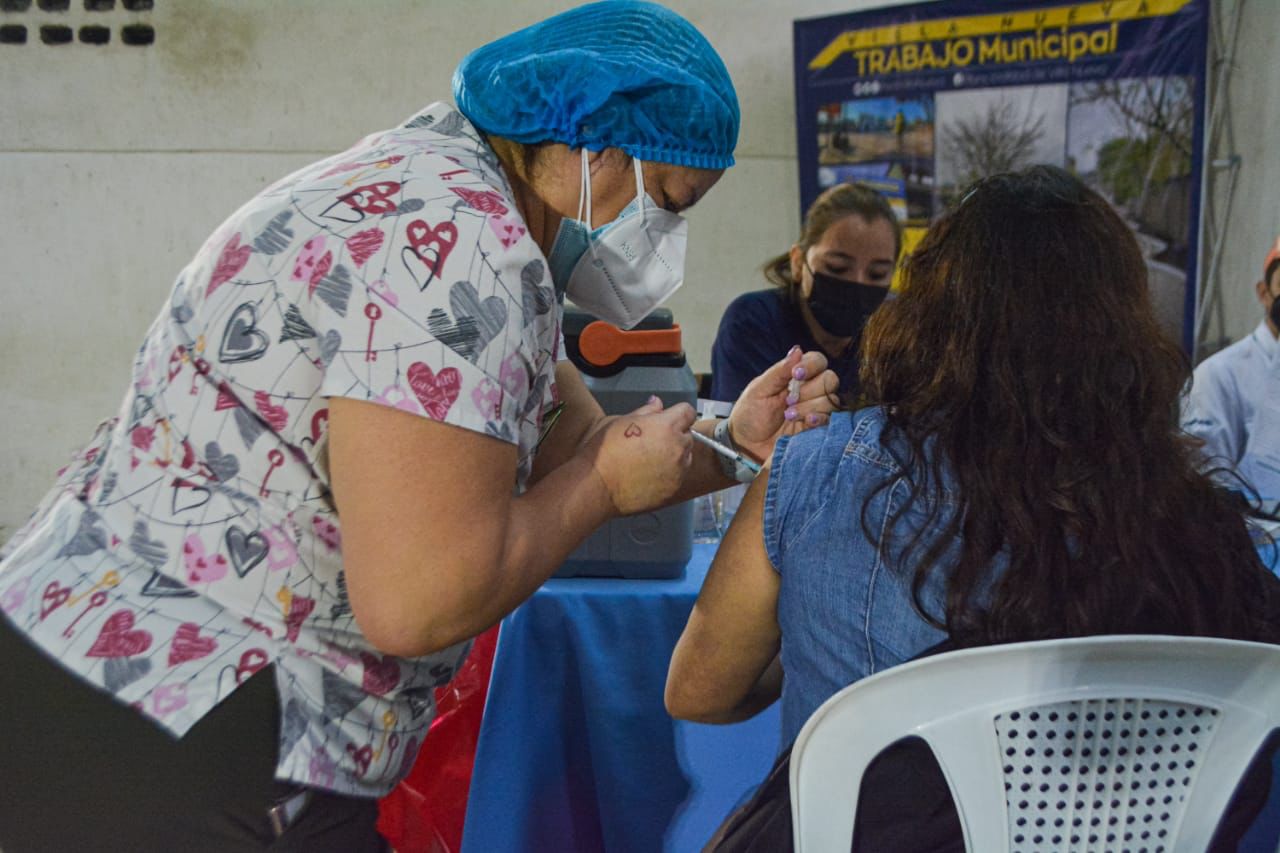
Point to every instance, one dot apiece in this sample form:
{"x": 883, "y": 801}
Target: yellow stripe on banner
{"x": 911, "y": 236}
{"x": 1075, "y": 15}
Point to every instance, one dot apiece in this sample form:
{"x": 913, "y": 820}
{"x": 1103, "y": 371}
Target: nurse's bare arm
{"x": 436, "y": 548}
{"x": 761, "y": 412}
{"x": 582, "y": 417}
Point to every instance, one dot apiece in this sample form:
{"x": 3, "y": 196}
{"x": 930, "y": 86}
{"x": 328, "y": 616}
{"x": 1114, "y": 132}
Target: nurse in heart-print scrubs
{"x": 225, "y": 623}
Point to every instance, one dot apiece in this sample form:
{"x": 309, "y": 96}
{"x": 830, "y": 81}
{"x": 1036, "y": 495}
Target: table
{"x": 576, "y": 751}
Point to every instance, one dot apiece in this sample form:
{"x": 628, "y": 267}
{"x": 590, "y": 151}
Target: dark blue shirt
{"x": 756, "y": 332}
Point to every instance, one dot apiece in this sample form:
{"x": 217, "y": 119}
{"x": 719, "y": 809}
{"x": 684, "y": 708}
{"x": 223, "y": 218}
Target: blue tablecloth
{"x": 577, "y": 752}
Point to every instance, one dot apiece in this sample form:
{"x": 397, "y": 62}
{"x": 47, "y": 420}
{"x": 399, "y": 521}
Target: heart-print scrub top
{"x": 194, "y": 540}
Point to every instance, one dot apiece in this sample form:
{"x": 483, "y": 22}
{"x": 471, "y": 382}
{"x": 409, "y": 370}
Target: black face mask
{"x": 842, "y": 307}
{"x": 1275, "y": 312}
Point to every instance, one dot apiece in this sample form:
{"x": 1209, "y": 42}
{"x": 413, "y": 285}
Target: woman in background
{"x": 826, "y": 286}
{"x": 1018, "y": 474}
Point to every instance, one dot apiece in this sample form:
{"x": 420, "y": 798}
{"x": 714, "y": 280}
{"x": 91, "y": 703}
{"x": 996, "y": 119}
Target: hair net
{"x": 615, "y": 74}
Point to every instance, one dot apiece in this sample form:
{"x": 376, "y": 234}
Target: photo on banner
{"x": 919, "y": 101}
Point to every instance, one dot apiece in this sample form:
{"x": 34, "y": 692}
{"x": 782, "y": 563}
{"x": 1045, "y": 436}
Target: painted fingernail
{"x": 798, "y": 372}
{"x": 792, "y": 399}
{"x": 795, "y": 349}
{"x": 653, "y": 398}
{"x": 790, "y": 414}
{"x": 811, "y": 419}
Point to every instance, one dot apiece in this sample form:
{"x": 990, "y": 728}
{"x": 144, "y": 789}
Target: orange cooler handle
{"x": 602, "y": 344}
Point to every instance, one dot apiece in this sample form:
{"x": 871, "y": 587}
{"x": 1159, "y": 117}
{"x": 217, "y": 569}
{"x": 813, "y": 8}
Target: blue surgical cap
{"x": 615, "y": 74}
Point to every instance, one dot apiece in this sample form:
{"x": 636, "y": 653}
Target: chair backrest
{"x": 1118, "y": 743}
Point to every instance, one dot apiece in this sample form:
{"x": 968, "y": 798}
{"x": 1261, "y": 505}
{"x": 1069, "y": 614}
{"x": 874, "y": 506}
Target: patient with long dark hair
{"x": 1015, "y": 471}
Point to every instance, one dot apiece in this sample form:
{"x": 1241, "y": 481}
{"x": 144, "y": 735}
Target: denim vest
{"x": 845, "y": 607}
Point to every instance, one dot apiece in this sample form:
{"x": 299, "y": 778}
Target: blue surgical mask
{"x": 575, "y": 236}
{"x": 571, "y": 243}
{"x": 625, "y": 268}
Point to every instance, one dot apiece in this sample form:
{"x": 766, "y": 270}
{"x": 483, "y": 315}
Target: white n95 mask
{"x": 620, "y": 271}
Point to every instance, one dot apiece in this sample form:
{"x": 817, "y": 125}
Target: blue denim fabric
{"x": 845, "y": 607}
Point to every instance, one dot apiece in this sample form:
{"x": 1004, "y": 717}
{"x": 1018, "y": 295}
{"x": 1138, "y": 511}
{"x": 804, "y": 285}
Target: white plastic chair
{"x": 1116, "y": 743}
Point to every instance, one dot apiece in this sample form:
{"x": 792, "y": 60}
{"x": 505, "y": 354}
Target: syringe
{"x": 754, "y": 467}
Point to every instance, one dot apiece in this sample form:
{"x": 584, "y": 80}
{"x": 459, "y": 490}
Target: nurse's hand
{"x": 767, "y": 408}
{"x": 643, "y": 457}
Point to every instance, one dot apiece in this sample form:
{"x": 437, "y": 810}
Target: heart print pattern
{"x": 200, "y": 542}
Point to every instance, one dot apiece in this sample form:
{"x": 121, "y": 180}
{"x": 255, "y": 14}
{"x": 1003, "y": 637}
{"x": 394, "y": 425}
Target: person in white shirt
{"x": 1234, "y": 400}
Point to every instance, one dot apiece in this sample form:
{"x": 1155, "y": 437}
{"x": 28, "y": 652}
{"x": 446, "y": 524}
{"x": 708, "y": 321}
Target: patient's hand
{"x": 770, "y": 406}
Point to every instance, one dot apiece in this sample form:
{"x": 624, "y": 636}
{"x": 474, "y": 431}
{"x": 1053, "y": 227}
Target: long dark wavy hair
{"x": 1023, "y": 352}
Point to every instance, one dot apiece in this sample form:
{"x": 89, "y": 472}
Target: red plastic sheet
{"x": 425, "y": 812}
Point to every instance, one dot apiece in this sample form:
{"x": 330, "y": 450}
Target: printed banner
{"x": 919, "y": 101}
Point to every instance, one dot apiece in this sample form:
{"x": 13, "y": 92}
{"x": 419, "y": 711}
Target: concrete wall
{"x": 117, "y": 161}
